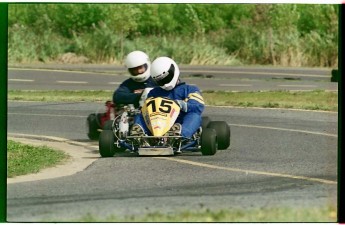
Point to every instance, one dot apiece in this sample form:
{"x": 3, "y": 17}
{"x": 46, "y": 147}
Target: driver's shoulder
{"x": 188, "y": 87}
{"x": 156, "y": 91}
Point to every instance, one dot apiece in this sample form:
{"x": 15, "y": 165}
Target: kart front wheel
{"x": 209, "y": 141}
{"x": 223, "y": 133}
{"x": 107, "y": 143}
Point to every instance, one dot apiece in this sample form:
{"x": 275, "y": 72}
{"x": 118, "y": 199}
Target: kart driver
{"x": 129, "y": 92}
{"x": 165, "y": 73}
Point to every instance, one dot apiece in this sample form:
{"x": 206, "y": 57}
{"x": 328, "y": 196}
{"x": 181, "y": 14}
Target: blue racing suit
{"x": 124, "y": 94}
{"x": 190, "y": 120}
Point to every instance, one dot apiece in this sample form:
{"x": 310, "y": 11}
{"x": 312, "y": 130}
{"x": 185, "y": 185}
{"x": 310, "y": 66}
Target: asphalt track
{"x": 277, "y": 158}
{"x": 102, "y": 77}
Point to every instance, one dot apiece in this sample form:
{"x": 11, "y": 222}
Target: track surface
{"x": 277, "y": 158}
{"x": 93, "y": 77}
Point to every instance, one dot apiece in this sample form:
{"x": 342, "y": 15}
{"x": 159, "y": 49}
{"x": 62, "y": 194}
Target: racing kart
{"x": 160, "y": 115}
{"x": 98, "y": 121}
{"x": 95, "y": 122}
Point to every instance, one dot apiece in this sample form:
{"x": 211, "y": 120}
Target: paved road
{"x": 277, "y": 158}
{"x": 105, "y": 77}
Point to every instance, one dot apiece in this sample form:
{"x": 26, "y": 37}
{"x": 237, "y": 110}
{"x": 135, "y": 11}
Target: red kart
{"x": 95, "y": 122}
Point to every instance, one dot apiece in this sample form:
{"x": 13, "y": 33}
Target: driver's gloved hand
{"x": 182, "y": 104}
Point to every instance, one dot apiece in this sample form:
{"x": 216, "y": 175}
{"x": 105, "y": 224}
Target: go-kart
{"x": 160, "y": 115}
{"x": 95, "y": 122}
{"x": 98, "y": 121}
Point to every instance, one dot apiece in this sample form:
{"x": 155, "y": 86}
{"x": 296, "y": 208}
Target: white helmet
{"x": 165, "y": 72}
{"x": 137, "y": 59}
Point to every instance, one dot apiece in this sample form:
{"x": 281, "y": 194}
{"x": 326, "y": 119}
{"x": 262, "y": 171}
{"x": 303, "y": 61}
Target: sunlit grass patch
{"x": 59, "y": 95}
{"x": 25, "y": 159}
{"x": 274, "y": 214}
{"x": 310, "y": 100}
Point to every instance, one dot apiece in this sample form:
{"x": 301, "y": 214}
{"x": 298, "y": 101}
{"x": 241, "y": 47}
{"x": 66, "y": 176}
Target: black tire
{"x": 92, "y": 127}
{"x": 208, "y": 141}
{"x": 106, "y": 143}
{"x": 205, "y": 121}
{"x": 108, "y": 125}
{"x": 223, "y": 133}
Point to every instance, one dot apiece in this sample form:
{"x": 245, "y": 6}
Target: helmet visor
{"x": 168, "y": 78}
{"x": 138, "y": 70}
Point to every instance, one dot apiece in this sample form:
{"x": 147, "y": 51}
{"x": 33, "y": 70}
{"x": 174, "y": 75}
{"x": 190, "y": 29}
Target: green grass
{"x": 55, "y": 95}
{"x": 267, "y": 34}
{"x": 26, "y": 159}
{"x": 309, "y": 100}
{"x": 281, "y": 214}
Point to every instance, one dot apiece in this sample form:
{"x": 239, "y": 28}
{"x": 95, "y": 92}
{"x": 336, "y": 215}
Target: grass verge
{"x": 309, "y": 100}
{"x": 25, "y": 159}
{"x": 282, "y": 214}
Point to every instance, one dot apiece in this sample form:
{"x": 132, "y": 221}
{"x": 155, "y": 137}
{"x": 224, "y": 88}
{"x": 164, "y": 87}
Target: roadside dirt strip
{"x": 81, "y": 156}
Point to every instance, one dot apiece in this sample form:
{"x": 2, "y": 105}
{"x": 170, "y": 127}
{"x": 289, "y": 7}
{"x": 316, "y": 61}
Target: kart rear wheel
{"x": 92, "y": 123}
{"x": 108, "y": 125}
{"x": 106, "y": 143}
{"x": 205, "y": 120}
{"x": 223, "y": 133}
{"x": 208, "y": 141}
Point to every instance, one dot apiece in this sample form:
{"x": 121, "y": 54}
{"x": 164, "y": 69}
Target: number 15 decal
{"x": 164, "y": 107}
